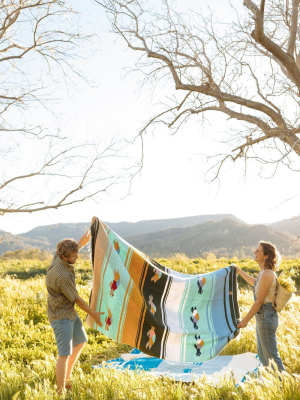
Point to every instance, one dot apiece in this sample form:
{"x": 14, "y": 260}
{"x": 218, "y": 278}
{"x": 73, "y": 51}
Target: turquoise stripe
{"x": 185, "y": 330}
{"x": 203, "y": 303}
{"x": 123, "y": 245}
{"x": 115, "y": 302}
{"x": 102, "y": 278}
{"x": 210, "y": 320}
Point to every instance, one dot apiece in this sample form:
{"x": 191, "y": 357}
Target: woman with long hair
{"x": 268, "y": 259}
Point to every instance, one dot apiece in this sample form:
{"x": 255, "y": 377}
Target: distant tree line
{"x": 44, "y": 255}
{"x": 33, "y": 254}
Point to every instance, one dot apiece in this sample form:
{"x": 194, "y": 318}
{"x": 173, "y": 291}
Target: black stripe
{"x": 154, "y": 289}
{"x": 234, "y": 305}
{"x": 94, "y": 234}
{"x": 168, "y": 332}
{"x": 164, "y": 320}
{"x": 230, "y": 296}
{"x": 225, "y": 301}
{"x": 156, "y": 264}
{"x": 90, "y": 298}
{"x": 143, "y": 306}
{"x": 139, "y": 325}
{"x": 235, "y": 300}
{"x": 142, "y": 276}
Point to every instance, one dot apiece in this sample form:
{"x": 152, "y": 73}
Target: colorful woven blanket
{"x": 163, "y": 313}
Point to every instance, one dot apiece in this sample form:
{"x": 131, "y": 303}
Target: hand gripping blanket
{"x": 161, "y": 312}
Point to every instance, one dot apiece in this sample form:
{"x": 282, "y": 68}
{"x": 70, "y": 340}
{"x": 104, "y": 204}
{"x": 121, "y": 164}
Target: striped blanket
{"x": 163, "y": 313}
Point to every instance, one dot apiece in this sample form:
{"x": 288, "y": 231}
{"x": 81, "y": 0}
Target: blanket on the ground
{"x": 238, "y": 366}
{"x": 163, "y": 313}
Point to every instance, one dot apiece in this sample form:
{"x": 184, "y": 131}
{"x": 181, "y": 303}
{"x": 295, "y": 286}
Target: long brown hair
{"x": 274, "y": 258}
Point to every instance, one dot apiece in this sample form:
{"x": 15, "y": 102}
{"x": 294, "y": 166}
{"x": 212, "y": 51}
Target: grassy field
{"x": 28, "y": 350}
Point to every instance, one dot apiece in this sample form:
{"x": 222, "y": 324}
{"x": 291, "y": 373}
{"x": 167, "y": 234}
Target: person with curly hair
{"x": 69, "y": 332}
{"x": 268, "y": 259}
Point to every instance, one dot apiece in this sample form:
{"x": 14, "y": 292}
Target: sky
{"x": 173, "y": 181}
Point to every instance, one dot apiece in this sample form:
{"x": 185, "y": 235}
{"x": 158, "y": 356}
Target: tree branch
{"x": 259, "y": 36}
{"x": 293, "y": 29}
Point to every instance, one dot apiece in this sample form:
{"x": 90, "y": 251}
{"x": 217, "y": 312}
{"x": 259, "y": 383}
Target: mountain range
{"x": 222, "y": 234}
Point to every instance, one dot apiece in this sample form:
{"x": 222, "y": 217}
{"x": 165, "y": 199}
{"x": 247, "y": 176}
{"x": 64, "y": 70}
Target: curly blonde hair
{"x": 66, "y": 246}
{"x": 274, "y": 258}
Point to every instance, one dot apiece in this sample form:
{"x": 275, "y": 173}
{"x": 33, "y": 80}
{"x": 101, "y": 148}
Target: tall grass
{"x": 28, "y": 350}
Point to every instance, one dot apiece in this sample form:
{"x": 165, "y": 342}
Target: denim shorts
{"x": 68, "y": 334}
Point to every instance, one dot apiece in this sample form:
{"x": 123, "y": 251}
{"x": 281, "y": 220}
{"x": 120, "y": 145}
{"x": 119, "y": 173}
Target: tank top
{"x": 272, "y": 290}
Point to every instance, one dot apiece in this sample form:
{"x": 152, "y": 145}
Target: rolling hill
{"x": 223, "y": 238}
{"x": 46, "y": 237}
{"x": 291, "y": 226}
{"x": 9, "y": 242}
{"x": 223, "y": 234}
{"x": 55, "y": 233}
{"x": 127, "y": 229}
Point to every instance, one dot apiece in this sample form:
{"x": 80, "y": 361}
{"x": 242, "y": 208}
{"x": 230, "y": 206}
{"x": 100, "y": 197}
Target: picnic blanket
{"x": 163, "y": 313}
{"x": 239, "y": 366}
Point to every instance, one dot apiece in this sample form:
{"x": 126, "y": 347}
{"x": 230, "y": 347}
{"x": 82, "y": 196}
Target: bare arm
{"x": 246, "y": 277}
{"x": 264, "y": 286}
{"x": 83, "y": 241}
{"x": 85, "y": 307}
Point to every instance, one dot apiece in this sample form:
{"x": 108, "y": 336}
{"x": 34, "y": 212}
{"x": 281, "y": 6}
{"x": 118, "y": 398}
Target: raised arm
{"x": 246, "y": 277}
{"x": 83, "y": 241}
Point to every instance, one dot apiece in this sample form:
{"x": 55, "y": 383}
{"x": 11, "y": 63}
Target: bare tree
{"x": 247, "y": 70}
{"x": 63, "y": 178}
{"x": 40, "y": 41}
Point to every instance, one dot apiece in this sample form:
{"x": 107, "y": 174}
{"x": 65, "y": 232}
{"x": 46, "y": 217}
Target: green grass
{"x": 28, "y": 350}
